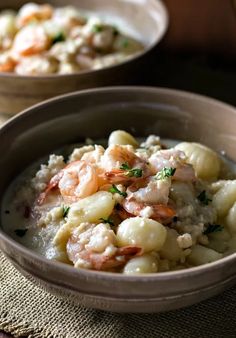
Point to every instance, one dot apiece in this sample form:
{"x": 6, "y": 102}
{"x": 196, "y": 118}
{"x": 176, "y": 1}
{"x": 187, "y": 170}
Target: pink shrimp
{"x": 77, "y": 180}
{"x": 160, "y": 212}
{"x": 172, "y": 158}
{"x": 117, "y": 156}
{"x": 30, "y": 40}
{"x": 32, "y": 11}
{"x": 93, "y": 246}
{"x": 7, "y": 63}
{"x": 103, "y": 262}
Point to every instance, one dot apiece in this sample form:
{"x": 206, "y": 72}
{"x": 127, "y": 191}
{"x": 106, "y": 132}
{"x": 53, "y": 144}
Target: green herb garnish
{"x": 107, "y": 220}
{"x": 65, "y": 211}
{"x": 58, "y": 38}
{"x": 202, "y": 197}
{"x": 20, "y": 232}
{"x": 115, "y": 190}
{"x": 212, "y": 228}
{"x": 135, "y": 172}
{"x": 165, "y": 172}
{"x": 125, "y": 43}
{"x": 97, "y": 28}
{"x": 115, "y": 31}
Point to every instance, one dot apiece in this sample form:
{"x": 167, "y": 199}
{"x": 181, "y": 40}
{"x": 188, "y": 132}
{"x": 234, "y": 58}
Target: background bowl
{"x": 147, "y": 19}
{"x": 95, "y": 113}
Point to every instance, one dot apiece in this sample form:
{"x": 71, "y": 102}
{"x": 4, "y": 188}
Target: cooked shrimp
{"x": 77, "y": 180}
{"x": 160, "y": 212}
{"x": 150, "y": 190}
{"x": 93, "y": 246}
{"x": 32, "y": 11}
{"x": 7, "y": 63}
{"x": 31, "y": 40}
{"x": 172, "y": 158}
{"x": 115, "y": 157}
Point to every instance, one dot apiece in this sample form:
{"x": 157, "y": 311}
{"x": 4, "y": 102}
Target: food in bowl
{"x": 41, "y": 40}
{"x": 130, "y": 208}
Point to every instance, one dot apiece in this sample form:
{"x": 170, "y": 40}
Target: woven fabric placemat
{"x": 26, "y": 310}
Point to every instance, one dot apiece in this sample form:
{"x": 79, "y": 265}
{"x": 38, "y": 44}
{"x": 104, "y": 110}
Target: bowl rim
{"x": 165, "y": 15}
{"x": 103, "y": 275}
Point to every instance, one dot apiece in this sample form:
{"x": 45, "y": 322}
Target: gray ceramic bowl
{"x": 147, "y": 18}
{"x": 95, "y": 113}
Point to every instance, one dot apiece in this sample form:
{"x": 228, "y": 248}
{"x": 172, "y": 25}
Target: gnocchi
{"x": 131, "y": 207}
{"x": 205, "y": 161}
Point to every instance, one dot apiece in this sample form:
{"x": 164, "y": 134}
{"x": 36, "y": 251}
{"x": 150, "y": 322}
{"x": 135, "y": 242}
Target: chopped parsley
{"x": 115, "y": 31}
{"x": 107, "y": 220}
{"x": 115, "y": 190}
{"x": 135, "y": 172}
{"x": 20, "y": 232}
{"x": 212, "y": 228}
{"x": 65, "y": 211}
{"x": 202, "y": 197}
{"x": 59, "y": 37}
{"x": 165, "y": 172}
{"x": 125, "y": 43}
{"x": 97, "y": 28}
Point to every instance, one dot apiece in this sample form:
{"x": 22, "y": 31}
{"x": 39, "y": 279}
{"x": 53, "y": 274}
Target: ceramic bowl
{"x": 95, "y": 113}
{"x": 147, "y": 19}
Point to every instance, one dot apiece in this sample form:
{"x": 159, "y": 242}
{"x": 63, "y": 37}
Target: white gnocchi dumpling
{"x": 225, "y": 198}
{"x": 90, "y": 209}
{"x": 121, "y": 137}
{"x": 147, "y": 263}
{"x": 142, "y": 232}
{"x": 171, "y": 249}
{"x": 204, "y": 160}
{"x": 230, "y": 220}
{"x": 202, "y": 255}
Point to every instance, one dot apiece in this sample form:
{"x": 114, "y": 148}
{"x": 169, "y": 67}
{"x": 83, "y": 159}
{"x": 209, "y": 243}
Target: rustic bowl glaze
{"x": 147, "y": 18}
{"x": 95, "y": 113}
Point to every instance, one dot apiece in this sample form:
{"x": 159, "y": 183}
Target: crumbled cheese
{"x": 79, "y": 152}
{"x": 184, "y": 241}
{"x": 46, "y": 172}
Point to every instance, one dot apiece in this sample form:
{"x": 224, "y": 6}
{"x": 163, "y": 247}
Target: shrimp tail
{"x": 163, "y": 213}
{"x": 116, "y": 176}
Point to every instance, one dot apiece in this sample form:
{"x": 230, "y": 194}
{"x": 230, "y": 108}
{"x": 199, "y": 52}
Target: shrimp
{"x": 31, "y": 40}
{"x": 117, "y": 155}
{"x": 93, "y": 246}
{"x": 32, "y": 11}
{"x": 150, "y": 190}
{"x": 160, "y": 212}
{"x": 77, "y": 180}
{"x": 172, "y": 158}
{"x": 7, "y": 63}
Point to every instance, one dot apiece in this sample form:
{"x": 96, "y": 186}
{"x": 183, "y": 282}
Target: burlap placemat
{"x": 25, "y": 310}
